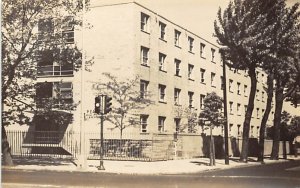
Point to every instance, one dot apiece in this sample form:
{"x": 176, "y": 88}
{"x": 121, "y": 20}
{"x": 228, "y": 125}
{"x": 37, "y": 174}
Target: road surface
{"x": 281, "y": 175}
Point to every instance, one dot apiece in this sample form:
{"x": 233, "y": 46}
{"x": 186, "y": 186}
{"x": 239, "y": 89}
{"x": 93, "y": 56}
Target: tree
{"x": 21, "y": 46}
{"x": 286, "y": 64}
{"x": 243, "y": 31}
{"x": 212, "y": 115}
{"x": 127, "y": 101}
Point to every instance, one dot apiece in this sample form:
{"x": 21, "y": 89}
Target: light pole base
{"x": 100, "y": 167}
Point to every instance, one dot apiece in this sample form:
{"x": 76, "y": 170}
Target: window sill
{"x": 191, "y": 79}
{"x": 213, "y": 62}
{"x": 203, "y": 83}
{"x": 163, "y": 40}
{"x": 144, "y": 133}
{"x": 144, "y": 65}
{"x": 145, "y": 32}
{"x": 191, "y": 52}
{"x": 177, "y": 46}
{"x": 162, "y": 70}
{"x": 176, "y": 104}
{"x": 178, "y": 75}
{"x": 203, "y": 57}
{"x": 213, "y": 86}
{"x": 163, "y": 102}
{"x": 231, "y": 91}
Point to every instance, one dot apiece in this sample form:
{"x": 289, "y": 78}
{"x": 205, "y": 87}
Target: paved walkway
{"x": 136, "y": 167}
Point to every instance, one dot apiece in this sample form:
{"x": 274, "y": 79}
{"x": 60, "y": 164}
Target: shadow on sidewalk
{"x": 49, "y": 161}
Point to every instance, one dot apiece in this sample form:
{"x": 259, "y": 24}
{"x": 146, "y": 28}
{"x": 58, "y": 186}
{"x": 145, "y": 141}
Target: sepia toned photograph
{"x": 149, "y": 93}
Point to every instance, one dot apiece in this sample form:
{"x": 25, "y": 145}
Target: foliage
{"x": 213, "y": 105}
{"x": 22, "y": 46}
{"x": 188, "y": 119}
{"x": 127, "y": 100}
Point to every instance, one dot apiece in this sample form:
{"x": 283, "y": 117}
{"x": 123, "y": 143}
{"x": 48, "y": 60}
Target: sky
{"x": 196, "y": 16}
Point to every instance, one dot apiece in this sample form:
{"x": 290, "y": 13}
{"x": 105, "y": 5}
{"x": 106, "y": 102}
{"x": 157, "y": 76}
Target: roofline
{"x": 134, "y": 1}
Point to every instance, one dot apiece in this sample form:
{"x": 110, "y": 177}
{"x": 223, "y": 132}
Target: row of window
{"x": 145, "y": 27}
{"x": 160, "y": 124}
{"x": 162, "y": 94}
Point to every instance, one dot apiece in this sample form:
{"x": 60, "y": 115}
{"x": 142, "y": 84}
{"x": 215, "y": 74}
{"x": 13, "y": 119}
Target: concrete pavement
{"x": 195, "y": 165}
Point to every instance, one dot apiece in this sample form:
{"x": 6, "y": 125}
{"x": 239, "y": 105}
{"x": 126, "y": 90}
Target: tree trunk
{"x": 277, "y": 118}
{"x": 264, "y": 120}
{"x": 247, "y": 121}
{"x": 7, "y": 158}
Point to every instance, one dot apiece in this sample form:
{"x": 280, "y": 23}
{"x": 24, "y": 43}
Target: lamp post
{"x": 225, "y": 110}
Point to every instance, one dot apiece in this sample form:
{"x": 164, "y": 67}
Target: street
{"x": 285, "y": 174}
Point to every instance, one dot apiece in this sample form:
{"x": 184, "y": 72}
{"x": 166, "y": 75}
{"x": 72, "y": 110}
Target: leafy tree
{"x": 285, "y": 64}
{"x": 243, "y": 31}
{"x": 211, "y": 113}
{"x": 21, "y": 47}
{"x": 127, "y": 100}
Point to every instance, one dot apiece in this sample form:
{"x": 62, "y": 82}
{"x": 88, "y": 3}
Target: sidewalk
{"x": 136, "y": 167}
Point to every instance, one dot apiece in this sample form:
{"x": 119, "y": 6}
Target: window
{"x": 177, "y": 67}
{"x": 213, "y": 51}
{"x": 190, "y": 71}
{"x": 212, "y": 79}
{"x": 230, "y": 85}
{"x": 65, "y": 91}
{"x": 263, "y": 96}
{"x": 202, "y": 48}
{"x": 177, "y": 96}
{"x": 143, "y": 120}
{"x": 257, "y": 113}
{"x": 245, "y": 108}
{"x": 262, "y": 112}
{"x": 238, "y": 109}
{"x": 144, "y": 55}
{"x": 202, "y": 75}
{"x": 177, "y": 38}
{"x": 161, "y": 123}
{"x": 162, "y": 30}
{"x": 251, "y": 131}
{"x": 60, "y": 94}
{"x": 239, "y": 130}
{"x": 230, "y": 128}
{"x": 143, "y": 89}
{"x": 245, "y": 90}
{"x": 222, "y": 83}
{"x": 238, "y": 88}
{"x": 68, "y": 29}
{"x": 144, "y": 22}
{"x": 257, "y": 95}
{"x": 191, "y": 44}
{"x": 191, "y": 101}
{"x": 202, "y": 97}
{"x": 162, "y": 58}
{"x": 162, "y": 90}
{"x": 231, "y": 107}
{"x": 44, "y": 90}
{"x": 177, "y": 124}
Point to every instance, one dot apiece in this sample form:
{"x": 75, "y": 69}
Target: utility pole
{"x": 225, "y": 110}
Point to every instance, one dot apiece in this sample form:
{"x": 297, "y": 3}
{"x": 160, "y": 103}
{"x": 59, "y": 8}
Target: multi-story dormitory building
{"x": 175, "y": 65}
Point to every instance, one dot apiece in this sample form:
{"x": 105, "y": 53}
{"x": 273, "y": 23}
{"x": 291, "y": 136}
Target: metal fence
{"x": 141, "y": 147}
{"x": 43, "y": 144}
